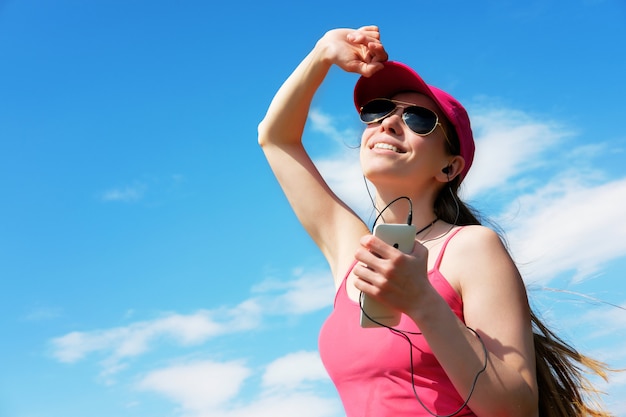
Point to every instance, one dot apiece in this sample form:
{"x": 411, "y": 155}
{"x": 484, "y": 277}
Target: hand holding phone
{"x": 402, "y": 237}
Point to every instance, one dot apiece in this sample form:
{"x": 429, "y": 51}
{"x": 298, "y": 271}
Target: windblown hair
{"x": 563, "y": 385}
{"x": 564, "y": 390}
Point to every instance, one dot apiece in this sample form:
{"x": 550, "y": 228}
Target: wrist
{"x": 427, "y": 308}
{"x": 323, "y": 51}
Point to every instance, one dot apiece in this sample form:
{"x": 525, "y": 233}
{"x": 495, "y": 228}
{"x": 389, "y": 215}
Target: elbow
{"x": 262, "y": 136}
{"x": 267, "y": 134}
{"x": 529, "y": 403}
{"x": 519, "y": 410}
{"x": 517, "y": 402}
{"x": 529, "y": 409}
{"x": 527, "y": 406}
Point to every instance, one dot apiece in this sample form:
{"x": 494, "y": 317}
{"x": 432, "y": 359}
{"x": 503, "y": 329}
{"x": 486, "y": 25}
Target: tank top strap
{"x": 443, "y": 248}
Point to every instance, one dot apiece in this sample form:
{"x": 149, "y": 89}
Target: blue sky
{"x": 149, "y": 264}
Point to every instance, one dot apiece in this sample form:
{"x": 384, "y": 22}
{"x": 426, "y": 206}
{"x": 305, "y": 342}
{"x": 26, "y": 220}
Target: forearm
{"x": 286, "y": 116}
{"x": 500, "y": 390}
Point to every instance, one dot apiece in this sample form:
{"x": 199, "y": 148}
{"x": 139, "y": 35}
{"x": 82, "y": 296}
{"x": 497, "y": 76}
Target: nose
{"x": 393, "y": 121}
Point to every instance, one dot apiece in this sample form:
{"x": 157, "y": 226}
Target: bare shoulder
{"x": 477, "y": 255}
{"x": 477, "y": 240}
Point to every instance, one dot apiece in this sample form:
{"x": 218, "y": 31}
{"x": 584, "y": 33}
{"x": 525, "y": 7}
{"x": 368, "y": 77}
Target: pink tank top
{"x": 370, "y": 367}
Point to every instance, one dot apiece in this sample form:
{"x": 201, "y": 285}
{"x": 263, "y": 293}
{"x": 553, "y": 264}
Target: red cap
{"x": 395, "y": 78}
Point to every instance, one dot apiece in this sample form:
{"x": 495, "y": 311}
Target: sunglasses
{"x": 420, "y": 120}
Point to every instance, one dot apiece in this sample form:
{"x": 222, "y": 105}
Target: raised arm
{"x": 331, "y": 224}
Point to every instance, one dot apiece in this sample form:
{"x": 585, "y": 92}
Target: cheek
{"x": 363, "y": 153}
{"x": 367, "y": 133}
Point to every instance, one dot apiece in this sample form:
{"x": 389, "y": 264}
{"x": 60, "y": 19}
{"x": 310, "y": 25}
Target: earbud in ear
{"x": 446, "y": 170}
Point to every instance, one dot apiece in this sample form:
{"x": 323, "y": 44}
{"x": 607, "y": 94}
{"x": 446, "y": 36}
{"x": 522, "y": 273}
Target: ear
{"x": 450, "y": 171}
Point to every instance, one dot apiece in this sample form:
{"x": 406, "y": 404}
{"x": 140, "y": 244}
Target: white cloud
{"x": 116, "y": 346}
{"x": 43, "y": 314}
{"x": 293, "y": 384}
{"x": 342, "y": 167}
{"x": 327, "y": 125}
{"x": 343, "y": 174}
{"x": 75, "y": 345}
{"x": 126, "y": 194}
{"x": 293, "y": 369}
{"x": 285, "y": 404}
{"x": 568, "y": 226}
{"x": 307, "y": 293}
{"x": 207, "y": 388}
{"x": 199, "y": 386}
{"x": 508, "y": 142}
{"x": 124, "y": 342}
{"x": 613, "y": 319}
{"x": 137, "y": 189}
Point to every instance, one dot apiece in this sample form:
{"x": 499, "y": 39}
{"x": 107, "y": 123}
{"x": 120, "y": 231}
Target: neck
{"x": 398, "y": 211}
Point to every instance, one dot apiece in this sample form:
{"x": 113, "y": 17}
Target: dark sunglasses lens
{"x": 376, "y": 110}
{"x": 420, "y": 120}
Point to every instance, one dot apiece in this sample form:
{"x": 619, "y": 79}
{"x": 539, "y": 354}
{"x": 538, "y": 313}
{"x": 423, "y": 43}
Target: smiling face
{"x": 391, "y": 153}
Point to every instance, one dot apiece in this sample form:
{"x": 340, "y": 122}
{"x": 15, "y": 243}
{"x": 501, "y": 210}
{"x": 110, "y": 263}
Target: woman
{"x": 465, "y": 344}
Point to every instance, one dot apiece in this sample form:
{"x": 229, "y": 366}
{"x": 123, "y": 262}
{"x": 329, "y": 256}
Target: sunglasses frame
{"x": 404, "y": 106}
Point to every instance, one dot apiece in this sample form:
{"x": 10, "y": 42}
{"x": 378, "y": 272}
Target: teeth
{"x": 386, "y": 146}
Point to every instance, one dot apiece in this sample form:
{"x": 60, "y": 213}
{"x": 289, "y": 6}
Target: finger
{"x": 364, "y": 273}
{"x": 371, "y": 31}
{"x": 376, "y": 245}
{"x": 363, "y": 36}
{"x": 367, "y": 280}
{"x": 367, "y": 288}
{"x": 358, "y": 38}
{"x": 372, "y": 60}
{"x": 378, "y": 52}
{"x": 373, "y": 28}
{"x": 367, "y": 258}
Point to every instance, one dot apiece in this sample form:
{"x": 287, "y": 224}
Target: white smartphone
{"x": 402, "y": 237}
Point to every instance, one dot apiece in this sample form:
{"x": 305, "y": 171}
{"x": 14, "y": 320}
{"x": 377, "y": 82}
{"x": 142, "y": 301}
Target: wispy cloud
{"x": 199, "y": 386}
{"x": 116, "y": 345}
{"x": 613, "y": 319}
{"x": 509, "y": 143}
{"x": 567, "y": 217}
{"x": 341, "y": 167}
{"x": 280, "y": 373}
{"x": 290, "y": 386}
{"x": 343, "y": 172}
{"x": 138, "y": 189}
{"x": 306, "y": 293}
{"x": 43, "y": 314}
{"x": 327, "y": 125}
{"x": 126, "y": 194}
